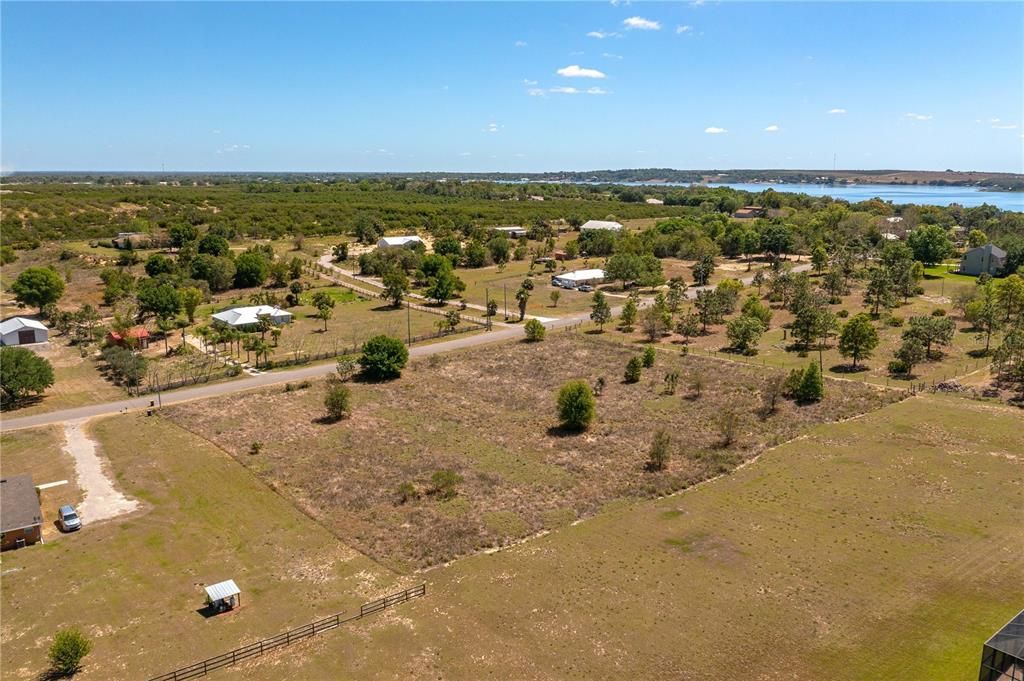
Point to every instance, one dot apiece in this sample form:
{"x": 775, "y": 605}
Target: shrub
{"x": 843, "y": 314}
{"x": 938, "y": 312}
{"x": 444, "y": 483}
{"x": 894, "y": 320}
{"x": 633, "y": 369}
{"x": 68, "y": 649}
{"x": 255, "y": 448}
{"x": 534, "y": 330}
{"x": 338, "y": 402}
{"x": 671, "y": 382}
{"x": 812, "y": 386}
{"x": 728, "y": 423}
{"x": 659, "y": 454}
{"x": 23, "y": 372}
{"x": 383, "y": 357}
{"x": 576, "y": 405}
{"x": 407, "y": 492}
{"x": 647, "y": 358}
{"x": 898, "y": 367}
{"x": 792, "y": 383}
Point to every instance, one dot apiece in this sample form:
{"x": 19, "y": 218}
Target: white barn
{"x": 22, "y": 331}
{"x": 577, "y": 278}
{"x": 601, "y": 224}
{"x": 247, "y": 317}
{"x": 399, "y": 241}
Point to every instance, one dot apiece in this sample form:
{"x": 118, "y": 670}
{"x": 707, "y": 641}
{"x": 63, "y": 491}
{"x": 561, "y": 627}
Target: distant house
{"x": 138, "y": 337}
{"x": 601, "y": 224}
{"x": 577, "y": 278}
{"x": 512, "y": 231}
{"x": 535, "y": 197}
{"x": 125, "y": 240}
{"x": 889, "y": 236}
{"x": 750, "y": 212}
{"x": 894, "y": 220}
{"x": 399, "y": 241}
{"x": 246, "y": 318}
{"x": 654, "y": 202}
{"x": 21, "y": 520}
{"x": 988, "y": 258}
{"x": 22, "y": 331}
{"x": 1002, "y": 656}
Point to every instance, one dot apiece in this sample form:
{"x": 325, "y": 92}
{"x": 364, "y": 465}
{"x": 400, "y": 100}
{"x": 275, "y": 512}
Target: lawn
{"x": 134, "y": 584}
{"x": 884, "y": 547}
{"x": 489, "y": 415}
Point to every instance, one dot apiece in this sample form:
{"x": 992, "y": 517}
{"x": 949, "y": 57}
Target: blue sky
{"x": 511, "y": 86}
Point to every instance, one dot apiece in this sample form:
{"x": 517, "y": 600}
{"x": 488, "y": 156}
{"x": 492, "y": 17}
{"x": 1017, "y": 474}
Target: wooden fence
{"x": 208, "y": 665}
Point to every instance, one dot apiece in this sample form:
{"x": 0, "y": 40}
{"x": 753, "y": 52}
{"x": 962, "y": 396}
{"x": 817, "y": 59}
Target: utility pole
{"x": 487, "y": 308}
{"x": 408, "y": 320}
{"x": 504, "y": 288}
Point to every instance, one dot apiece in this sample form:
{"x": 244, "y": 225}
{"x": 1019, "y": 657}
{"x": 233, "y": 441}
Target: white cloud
{"x": 527, "y": 81}
{"x": 616, "y": 3}
{"x": 597, "y": 91}
{"x": 520, "y": 43}
{"x": 576, "y": 53}
{"x": 492, "y": 127}
{"x": 609, "y": 55}
{"x": 697, "y": 3}
{"x": 232, "y": 148}
{"x": 772, "y": 128}
{"x": 564, "y": 91}
{"x": 918, "y": 117}
{"x": 641, "y": 24}
{"x": 464, "y": 153}
{"x": 684, "y": 29}
{"x": 837, "y": 111}
{"x": 1008, "y": 126}
{"x": 600, "y": 35}
{"x": 575, "y": 71}
{"x": 715, "y": 131}
{"x": 535, "y": 92}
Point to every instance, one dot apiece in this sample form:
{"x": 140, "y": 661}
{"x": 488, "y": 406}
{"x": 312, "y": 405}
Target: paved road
{"x": 498, "y": 334}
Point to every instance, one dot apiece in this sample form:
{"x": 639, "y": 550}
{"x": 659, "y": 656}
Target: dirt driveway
{"x": 102, "y": 499}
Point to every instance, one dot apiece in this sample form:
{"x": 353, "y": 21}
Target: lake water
{"x": 920, "y": 194}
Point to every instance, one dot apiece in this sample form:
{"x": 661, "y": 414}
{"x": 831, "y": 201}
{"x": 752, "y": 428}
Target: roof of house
{"x": 990, "y": 248}
{"x": 137, "y": 332}
{"x": 400, "y": 240}
{"x": 511, "y": 228}
{"x": 19, "y": 323}
{"x": 1010, "y": 639}
{"x": 581, "y": 275}
{"x": 223, "y": 589}
{"x": 19, "y": 503}
{"x": 243, "y": 316}
{"x": 601, "y": 224}
{"x": 894, "y": 219}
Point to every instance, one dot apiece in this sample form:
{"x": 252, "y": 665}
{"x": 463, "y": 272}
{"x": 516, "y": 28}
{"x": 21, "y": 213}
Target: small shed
{"x": 224, "y": 595}
{"x": 22, "y": 331}
{"x": 608, "y": 225}
{"x": 21, "y": 520}
{"x": 405, "y": 241}
{"x": 137, "y": 337}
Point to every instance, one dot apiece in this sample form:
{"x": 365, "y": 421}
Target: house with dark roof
{"x": 21, "y": 520}
{"x": 988, "y": 258}
{"x": 1002, "y": 657}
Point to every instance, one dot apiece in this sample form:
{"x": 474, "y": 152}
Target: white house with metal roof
{"x": 577, "y": 278}
{"x": 22, "y": 331}
{"x": 248, "y": 317}
{"x": 399, "y": 241}
{"x": 601, "y": 224}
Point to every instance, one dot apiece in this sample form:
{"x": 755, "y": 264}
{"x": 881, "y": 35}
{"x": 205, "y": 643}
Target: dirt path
{"x": 102, "y": 499}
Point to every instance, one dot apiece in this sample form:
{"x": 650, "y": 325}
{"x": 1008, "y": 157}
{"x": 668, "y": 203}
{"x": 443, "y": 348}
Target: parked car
{"x": 68, "y": 519}
{"x": 585, "y": 288}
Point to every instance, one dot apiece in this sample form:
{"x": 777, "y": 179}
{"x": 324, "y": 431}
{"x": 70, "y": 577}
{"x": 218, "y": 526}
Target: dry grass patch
{"x": 489, "y": 416}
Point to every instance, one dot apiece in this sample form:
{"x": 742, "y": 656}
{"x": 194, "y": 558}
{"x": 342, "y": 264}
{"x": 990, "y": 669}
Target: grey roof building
{"x": 21, "y": 520}
{"x": 1002, "y": 657}
{"x": 983, "y": 259}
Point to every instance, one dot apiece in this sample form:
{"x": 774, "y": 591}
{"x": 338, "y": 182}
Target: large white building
{"x": 248, "y": 317}
{"x": 22, "y": 331}
{"x": 577, "y": 278}
{"x": 601, "y": 224}
{"x": 399, "y": 241}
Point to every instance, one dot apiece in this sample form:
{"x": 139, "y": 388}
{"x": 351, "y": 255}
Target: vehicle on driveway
{"x": 68, "y": 519}
{"x": 585, "y": 288}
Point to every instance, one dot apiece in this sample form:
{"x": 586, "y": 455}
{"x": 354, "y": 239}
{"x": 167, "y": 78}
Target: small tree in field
{"x": 648, "y": 357}
{"x": 444, "y": 484}
{"x": 812, "y": 386}
{"x": 600, "y": 311}
{"x": 634, "y": 368}
{"x": 671, "y": 382}
{"x": 383, "y": 357}
{"x": 555, "y": 297}
{"x": 728, "y": 423}
{"x": 68, "y": 649}
{"x": 338, "y": 402}
{"x": 576, "y": 405}
{"x": 697, "y": 384}
{"x": 627, "y": 318}
{"x": 773, "y": 389}
{"x": 659, "y": 454}
{"x": 858, "y": 338}
{"x": 534, "y": 330}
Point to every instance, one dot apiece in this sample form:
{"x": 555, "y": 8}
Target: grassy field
{"x": 134, "y": 584}
{"x": 871, "y": 549}
{"x": 489, "y": 415}
{"x": 39, "y": 453}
